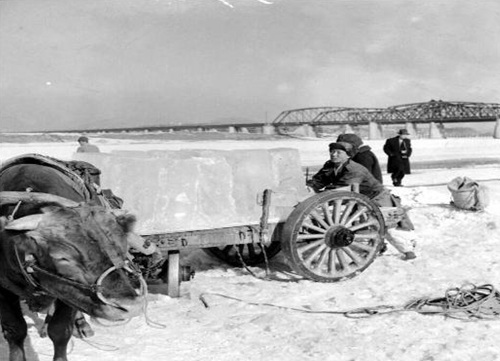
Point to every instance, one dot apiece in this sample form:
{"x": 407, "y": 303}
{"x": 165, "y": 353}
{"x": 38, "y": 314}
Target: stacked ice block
{"x": 201, "y": 189}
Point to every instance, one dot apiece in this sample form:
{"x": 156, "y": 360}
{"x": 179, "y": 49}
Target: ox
{"x": 59, "y": 251}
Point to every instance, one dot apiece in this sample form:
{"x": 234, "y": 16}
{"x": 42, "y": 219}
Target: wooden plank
{"x": 207, "y": 238}
{"x": 173, "y": 286}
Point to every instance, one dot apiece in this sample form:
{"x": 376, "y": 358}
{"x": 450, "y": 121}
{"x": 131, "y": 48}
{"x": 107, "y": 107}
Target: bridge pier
{"x": 496, "y": 132}
{"x": 307, "y": 130}
{"x": 434, "y": 132}
{"x": 411, "y": 128}
{"x": 268, "y": 129}
{"x": 348, "y": 129}
{"x": 374, "y": 131}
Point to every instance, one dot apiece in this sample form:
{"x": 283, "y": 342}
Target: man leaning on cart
{"x": 341, "y": 171}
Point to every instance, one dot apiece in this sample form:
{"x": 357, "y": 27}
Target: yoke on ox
{"x": 59, "y": 250}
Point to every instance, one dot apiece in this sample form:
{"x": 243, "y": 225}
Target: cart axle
{"x": 338, "y": 237}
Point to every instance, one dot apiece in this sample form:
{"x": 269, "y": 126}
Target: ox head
{"x": 79, "y": 255}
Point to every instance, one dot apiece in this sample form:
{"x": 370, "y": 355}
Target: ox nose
{"x": 130, "y": 304}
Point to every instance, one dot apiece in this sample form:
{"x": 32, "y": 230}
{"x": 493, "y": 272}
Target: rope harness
{"x": 466, "y": 303}
{"x": 264, "y": 240}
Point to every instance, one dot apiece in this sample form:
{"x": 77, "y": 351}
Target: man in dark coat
{"x": 399, "y": 151}
{"x": 340, "y": 171}
{"x": 363, "y": 154}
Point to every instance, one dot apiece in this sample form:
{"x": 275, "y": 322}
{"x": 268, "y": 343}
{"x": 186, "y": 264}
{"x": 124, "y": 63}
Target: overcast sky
{"x": 105, "y": 63}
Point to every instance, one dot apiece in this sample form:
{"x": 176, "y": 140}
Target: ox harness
{"x": 29, "y": 268}
{"x": 83, "y": 177}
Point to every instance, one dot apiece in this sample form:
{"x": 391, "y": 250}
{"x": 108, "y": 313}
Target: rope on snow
{"x": 466, "y": 303}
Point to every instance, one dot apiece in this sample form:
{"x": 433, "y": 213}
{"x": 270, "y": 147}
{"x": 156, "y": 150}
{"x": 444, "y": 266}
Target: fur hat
{"x": 346, "y": 147}
{"x": 350, "y": 138}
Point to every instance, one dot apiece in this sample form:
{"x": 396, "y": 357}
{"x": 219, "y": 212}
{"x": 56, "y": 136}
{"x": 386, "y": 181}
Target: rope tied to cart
{"x": 467, "y": 303}
{"x": 264, "y": 240}
{"x": 270, "y": 275}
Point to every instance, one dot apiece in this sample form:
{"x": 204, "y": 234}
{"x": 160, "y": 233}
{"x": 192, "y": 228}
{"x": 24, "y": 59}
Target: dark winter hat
{"x": 83, "y": 139}
{"x": 403, "y": 132}
{"x": 346, "y": 147}
{"x": 350, "y": 138}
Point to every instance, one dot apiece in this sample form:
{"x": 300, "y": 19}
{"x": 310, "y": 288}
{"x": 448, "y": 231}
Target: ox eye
{"x": 62, "y": 259}
{"x": 66, "y": 267}
{"x": 60, "y": 256}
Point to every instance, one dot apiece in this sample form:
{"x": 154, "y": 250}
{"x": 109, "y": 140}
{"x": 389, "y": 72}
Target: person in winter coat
{"x": 399, "y": 151}
{"x": 85, "y": 146}
{"x": 363, "y": 154}
{"x": 340, "y": 171}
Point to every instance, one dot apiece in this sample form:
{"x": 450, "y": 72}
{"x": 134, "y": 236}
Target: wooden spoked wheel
{"x": 252, "y": 253}
{"x": 333, "y": 236}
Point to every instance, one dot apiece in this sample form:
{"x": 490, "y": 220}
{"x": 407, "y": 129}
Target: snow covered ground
{"x": 454, "y": 247}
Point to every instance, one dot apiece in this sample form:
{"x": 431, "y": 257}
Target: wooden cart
{"x": 329, "y": 237}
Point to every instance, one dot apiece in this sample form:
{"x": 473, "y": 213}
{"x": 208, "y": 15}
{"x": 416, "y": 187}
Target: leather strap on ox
{"x": 30, "y": 267}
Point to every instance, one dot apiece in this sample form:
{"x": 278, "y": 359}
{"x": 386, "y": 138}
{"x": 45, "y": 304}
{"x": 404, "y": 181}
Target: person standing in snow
{"x": 85, "y": 147}
{"x": 363, "y": 154}
{"x": 340, "y": 171}
{"x": 399, "y": 151}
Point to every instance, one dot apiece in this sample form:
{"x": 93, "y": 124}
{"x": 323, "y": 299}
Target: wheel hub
{"x": 339, "y": 236}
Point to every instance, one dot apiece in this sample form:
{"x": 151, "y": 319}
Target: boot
{"x": 409, "y": 255}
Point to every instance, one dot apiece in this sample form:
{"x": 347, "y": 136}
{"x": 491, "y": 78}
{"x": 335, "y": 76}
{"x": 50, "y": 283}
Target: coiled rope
{"x": 145, "y": 305}
{"x": 149, "y": 322}
{"x": 466, "y": 303}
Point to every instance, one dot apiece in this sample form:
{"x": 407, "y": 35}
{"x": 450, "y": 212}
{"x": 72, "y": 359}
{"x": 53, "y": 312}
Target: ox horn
{"x": 35, "y": 198}
{"x": 26, "y": 223}
{"x": 119, "y": 212}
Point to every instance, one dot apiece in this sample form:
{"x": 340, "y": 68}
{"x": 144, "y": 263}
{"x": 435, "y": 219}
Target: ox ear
{"x": 26, "y": 223}
{"x": 126, "y": 221}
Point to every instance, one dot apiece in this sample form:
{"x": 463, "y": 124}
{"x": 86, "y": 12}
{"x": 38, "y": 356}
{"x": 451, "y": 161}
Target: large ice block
{"x": 201, "y": 189}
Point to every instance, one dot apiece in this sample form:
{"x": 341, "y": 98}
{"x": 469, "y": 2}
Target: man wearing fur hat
{"x": 399, "y": 151}
{"x": 363, "y": 154}
{"x": 340, "y": 171}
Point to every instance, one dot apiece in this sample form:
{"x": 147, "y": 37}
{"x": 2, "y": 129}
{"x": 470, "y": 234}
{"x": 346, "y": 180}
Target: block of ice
{"x": 201, "y": 189}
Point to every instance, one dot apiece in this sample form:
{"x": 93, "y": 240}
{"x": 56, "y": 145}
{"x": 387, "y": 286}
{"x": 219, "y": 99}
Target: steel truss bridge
{"x": 437, "y": 111}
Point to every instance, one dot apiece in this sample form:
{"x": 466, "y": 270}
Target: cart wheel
{"x": 333, "y": 236}
{"x": 251, "y": 253}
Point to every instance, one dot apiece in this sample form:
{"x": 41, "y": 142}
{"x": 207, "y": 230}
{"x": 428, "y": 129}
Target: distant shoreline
{"x": 27, "y": 138}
